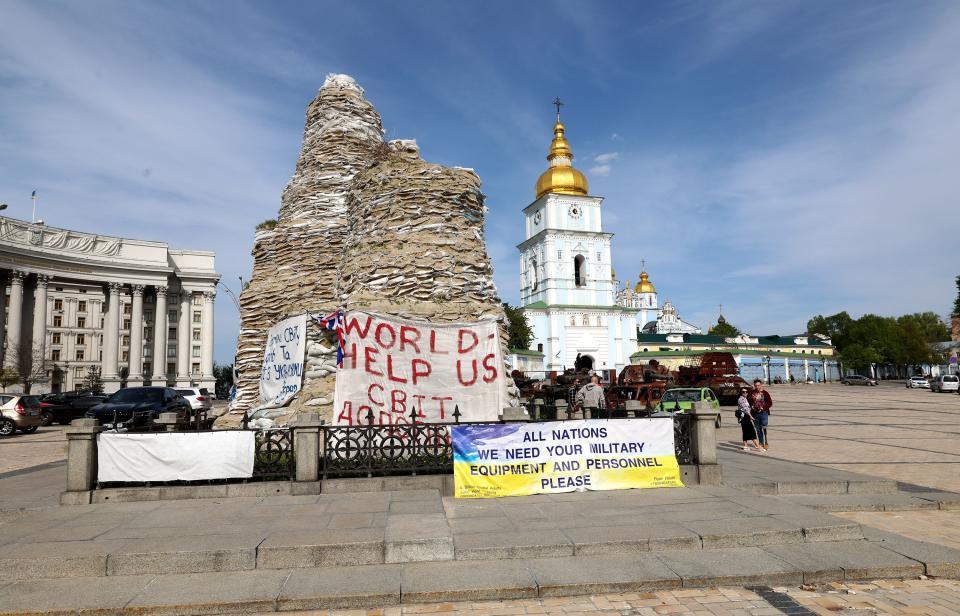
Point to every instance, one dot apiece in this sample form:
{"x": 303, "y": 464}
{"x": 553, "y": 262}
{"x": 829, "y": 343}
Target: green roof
{"x": 774, "y": 340}
{"x": 525, "y": 352}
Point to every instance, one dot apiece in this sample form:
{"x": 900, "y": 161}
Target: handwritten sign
{"x": 393, "y": 369}
{"x": 282, "y": 373}
{"x": 492, "y": 460}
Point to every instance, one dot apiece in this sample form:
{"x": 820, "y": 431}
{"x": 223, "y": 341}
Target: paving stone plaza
{"x": 799, "y": 530}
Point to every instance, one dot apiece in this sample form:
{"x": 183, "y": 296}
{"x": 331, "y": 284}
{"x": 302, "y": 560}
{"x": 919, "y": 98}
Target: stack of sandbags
{"x": 295, "y": 260}
{"x": 364, "y": 226}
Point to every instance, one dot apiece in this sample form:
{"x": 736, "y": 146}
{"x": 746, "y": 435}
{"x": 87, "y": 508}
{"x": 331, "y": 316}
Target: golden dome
{"x": 644, "y": 286}
{"x": 561, "y": 177}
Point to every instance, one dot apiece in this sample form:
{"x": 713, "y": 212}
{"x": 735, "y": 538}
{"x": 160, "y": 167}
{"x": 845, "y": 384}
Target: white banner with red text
{"x": 392, "y": 367}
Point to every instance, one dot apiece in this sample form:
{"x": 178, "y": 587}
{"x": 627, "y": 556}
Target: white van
{"x": 945, "y": 382}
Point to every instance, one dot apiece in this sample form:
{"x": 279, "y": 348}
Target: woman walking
{"x": 745, "y": 417}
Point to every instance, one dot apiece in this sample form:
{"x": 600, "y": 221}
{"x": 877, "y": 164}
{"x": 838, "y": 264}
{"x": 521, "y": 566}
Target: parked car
{"x": 22, "y": 413}
{"x": 856, "y": 379}
{"x": 198, "y": 397}
{"x": 680, "y": 400}
{"x": 136, "y": 408}
{"x": 915, "y": 382}
{"x": 945, "y": 382}
{"x": 64, "y": 408}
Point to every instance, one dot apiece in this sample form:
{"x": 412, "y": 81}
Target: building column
{"x": 160, "y": 338}
{"x": 15, "y": 318}
{"x": 183, "y": 339}
{"x": 3, "y": 305}
{"x": 39, "y": 324}
{"x": 786, "y": 369}
{"x": 206, "y": 365}
{"x": 111, "y": 331}
{"x": 136, "y": 337}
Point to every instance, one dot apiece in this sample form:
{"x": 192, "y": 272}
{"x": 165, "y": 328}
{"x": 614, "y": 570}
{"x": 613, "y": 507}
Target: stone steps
{"x": 404, "y": 538}
{"x": 898, "y": 501}
{"x": 369, "y": 586}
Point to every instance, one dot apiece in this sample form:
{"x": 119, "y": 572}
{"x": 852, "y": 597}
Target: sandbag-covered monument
{"x": 367, "y": 227}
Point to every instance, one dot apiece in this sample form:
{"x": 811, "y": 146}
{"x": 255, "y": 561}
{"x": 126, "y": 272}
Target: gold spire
{"x": 644, "y": 286}
{"x": 561, "y": 177}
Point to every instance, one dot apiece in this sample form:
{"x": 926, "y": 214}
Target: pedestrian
{"x": 591, "y": 395}
{"x": 760, "y": 403}
{"x": 572, "y": 393}
{"x": 747, "y": 427}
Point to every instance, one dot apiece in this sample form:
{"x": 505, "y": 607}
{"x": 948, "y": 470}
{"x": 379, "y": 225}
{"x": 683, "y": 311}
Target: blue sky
{"x": 782, "y": 158}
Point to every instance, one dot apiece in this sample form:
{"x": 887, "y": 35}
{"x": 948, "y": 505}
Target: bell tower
{"x": 566, "y": 282}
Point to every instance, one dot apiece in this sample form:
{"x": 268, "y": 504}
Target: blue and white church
{"x": 568, "y": 287}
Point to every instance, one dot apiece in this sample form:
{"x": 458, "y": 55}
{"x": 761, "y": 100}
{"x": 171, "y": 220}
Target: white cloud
{"x": 606, "y": 157}
{"x": 600, "y": 170}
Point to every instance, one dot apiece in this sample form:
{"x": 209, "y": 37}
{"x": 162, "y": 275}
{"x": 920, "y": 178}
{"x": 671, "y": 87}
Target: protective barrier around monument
{"x": 423, "y": 448}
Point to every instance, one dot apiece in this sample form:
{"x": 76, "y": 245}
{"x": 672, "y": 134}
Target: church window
{"x": 580, "y": 270}
{"x": 599, "y": 320}
{"x": 586, "y": 320}
{"x": 573, "y": 320}
{"x": 559, "y": 254}
{"x": 598, "y": 256}
{"x": 540, "y": 347}
{"x": 534, "y": 283}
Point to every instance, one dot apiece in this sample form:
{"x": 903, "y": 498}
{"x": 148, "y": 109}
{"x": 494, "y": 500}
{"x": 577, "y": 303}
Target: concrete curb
{"x": 367, "y": 586}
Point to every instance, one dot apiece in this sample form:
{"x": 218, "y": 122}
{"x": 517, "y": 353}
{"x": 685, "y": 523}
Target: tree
{"x": 93, "y": 382}
{"x": 224, "y": 375}
{"x": 873, "y": 339}
{"x": 518, "y": 328}
{"x": 929, "y": 325}
{"x": 834, "y": 327}
{"x": 956, "y": 302}
{"x": 8, "y": 377}
{"x": 29, "y": 364}
{"x": 723, "y": 328}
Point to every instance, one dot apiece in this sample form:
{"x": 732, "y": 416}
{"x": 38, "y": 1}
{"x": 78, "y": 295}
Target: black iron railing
{"x": 274, "y": 456}
{"x": 683, "y": 438}
{"x": 419, "y": 448}
{"x": 423, "y": 448}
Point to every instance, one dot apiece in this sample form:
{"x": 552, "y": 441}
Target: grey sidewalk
{"x": 235, "y": 534}
{"x": 377, "y": 585}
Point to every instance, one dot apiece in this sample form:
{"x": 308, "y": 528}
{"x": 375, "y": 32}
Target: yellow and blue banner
{"x": 492, "y": 460}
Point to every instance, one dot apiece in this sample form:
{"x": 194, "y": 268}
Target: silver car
{"x": 915, "y": 382}
{"x": 945, "y": 382}
{"x": 200, "y": 398}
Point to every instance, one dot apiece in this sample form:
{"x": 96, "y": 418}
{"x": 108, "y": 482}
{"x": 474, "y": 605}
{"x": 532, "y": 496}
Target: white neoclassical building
{"x": 567, "y": 285}
{"x": 138, "y": 310}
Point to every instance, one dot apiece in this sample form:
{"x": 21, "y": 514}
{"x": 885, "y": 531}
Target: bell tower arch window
{"x": 580, "y": 270}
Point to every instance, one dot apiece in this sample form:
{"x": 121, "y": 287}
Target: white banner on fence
{"x": 282, "y": 374}
{"x": 393, "y": 366}
{"x": 173, "y": 456}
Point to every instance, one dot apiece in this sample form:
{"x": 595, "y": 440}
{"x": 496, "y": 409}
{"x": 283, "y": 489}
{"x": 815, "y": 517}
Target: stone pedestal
{"x": 704, "y": 438}
{"x": 81, "y": 456}
{"x": 515, "y": 413}
{"x": 306, "y": 446}
{"x": 169, "y": 420}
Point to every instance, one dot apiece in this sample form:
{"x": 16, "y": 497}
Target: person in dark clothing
{"x": 760, "y": 404}
{"x": 748, "y": 428}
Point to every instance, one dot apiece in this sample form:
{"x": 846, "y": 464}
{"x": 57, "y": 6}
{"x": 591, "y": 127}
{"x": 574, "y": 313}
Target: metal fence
{"x": 422, "y": 448}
